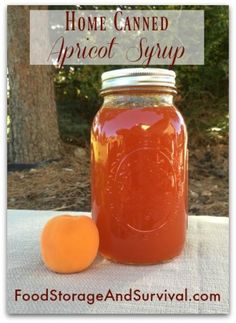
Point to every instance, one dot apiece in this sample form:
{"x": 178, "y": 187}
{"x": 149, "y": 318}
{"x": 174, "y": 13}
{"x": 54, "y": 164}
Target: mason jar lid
{"x": 138, "y": 77}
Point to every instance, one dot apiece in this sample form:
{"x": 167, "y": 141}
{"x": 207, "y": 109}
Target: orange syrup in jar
{"x": 139, "y": 174}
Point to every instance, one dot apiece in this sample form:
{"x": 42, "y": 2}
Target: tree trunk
{"x": 34, "y": 134}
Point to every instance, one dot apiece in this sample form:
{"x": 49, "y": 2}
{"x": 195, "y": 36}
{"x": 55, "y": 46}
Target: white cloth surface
{"x": 201, "y": 268}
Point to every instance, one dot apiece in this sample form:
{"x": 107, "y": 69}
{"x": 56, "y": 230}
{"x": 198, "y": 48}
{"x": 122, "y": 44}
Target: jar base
{"x": 139, "y": 263}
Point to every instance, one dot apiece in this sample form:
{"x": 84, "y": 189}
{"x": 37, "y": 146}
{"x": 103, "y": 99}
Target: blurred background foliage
{"x": 202, "y": 89}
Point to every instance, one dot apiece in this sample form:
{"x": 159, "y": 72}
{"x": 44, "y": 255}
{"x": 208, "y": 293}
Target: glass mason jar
{"x": 139, "y": 167}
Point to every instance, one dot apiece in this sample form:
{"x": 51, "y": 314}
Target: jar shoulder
{"x": 110, "y": 120}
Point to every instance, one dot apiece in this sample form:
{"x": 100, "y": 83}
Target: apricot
{"x": 69, "y": 244}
